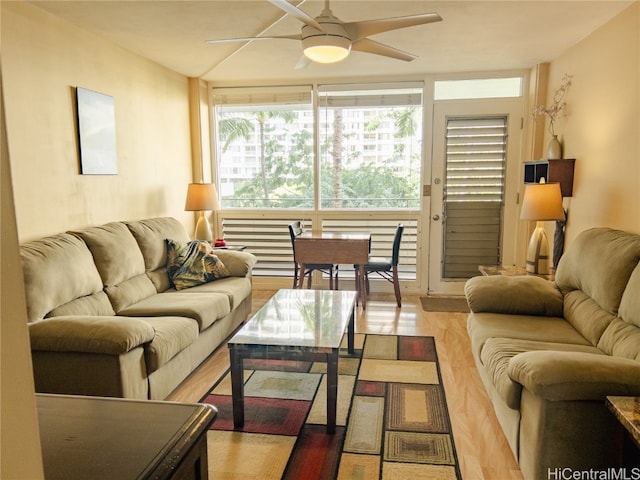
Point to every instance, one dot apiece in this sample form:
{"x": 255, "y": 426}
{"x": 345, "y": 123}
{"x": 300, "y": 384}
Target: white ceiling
{"x": 474, "y": 35}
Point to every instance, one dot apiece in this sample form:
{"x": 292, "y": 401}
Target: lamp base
{"x": 203, "y": 229}
{"x": 538, "y": 252}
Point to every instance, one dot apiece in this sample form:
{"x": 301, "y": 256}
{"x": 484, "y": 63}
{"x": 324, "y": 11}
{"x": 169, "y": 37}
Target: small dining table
{"x": 335, "y": 248}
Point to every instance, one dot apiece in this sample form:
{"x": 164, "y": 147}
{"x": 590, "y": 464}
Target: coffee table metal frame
{"x": 317, "y": 336}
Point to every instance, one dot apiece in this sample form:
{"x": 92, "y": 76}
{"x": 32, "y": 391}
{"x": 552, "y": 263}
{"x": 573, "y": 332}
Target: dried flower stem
{"x": 558, "y": 104}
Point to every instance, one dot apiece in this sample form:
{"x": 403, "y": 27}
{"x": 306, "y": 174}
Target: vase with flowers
{"x": 552, "y": 112}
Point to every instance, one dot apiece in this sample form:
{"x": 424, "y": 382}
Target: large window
{"x": 264, "y": 146}
{"x": 369, "y": 151}
{"x": 350, "y": 157}
{"x": 370, "y": 146}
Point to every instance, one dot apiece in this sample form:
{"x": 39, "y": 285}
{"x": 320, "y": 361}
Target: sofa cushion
{"x": 193, "y": 263}
{"x": 120, "y": 263}
{"x": 130, "y": 292}
{"x": 151, "y": 235}
{"x": 172, "y": 335}
{"x": 96, "y": 304}
{"x": 90, "y": 334}
{"x": 498, "y": 352}
{"x": 236, "y": 288}
{"x": 205, "y": 308}
{"x": 483, "y": 326}
{"x": 525, "y": 295}
{"x": 586, "y": 316}
{"x": 115, "y": 252}
{"x": 629, "y": 309}
{"x": 599, "y": 262}
{"x": 622, "y": 337}
{"x": 57, "y": 271}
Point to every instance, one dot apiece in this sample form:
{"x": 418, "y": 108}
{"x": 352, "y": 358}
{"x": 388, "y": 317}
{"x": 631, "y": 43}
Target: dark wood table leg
{"x": 356, "y": 274}
{"x": 351, "y": 332}
{"x": 301, "y": 277}
{"x": 332, "y": 389}
{"x": 237, "y": 385}
{"x": 362, "y": 286}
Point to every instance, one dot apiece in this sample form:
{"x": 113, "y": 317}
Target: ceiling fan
{"x": 327, "y": 39}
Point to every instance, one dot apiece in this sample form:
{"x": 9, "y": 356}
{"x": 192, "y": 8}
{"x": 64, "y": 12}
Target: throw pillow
{"x": 193, "y": 263}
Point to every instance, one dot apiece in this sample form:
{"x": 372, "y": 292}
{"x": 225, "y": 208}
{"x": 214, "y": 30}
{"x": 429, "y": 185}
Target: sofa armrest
{"x": 520, "y": 295}
{"x": 110, "y": 335}
{"x": 563, "y": 376}
{"x": 238, "y": 263}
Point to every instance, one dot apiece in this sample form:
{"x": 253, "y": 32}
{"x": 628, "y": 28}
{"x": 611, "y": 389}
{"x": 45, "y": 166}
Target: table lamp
{"x": 541, "y": 202}
{"x": 200, "y": 198}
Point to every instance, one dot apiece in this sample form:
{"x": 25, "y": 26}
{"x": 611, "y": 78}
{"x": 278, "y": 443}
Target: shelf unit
{"x": 560, "y": 170}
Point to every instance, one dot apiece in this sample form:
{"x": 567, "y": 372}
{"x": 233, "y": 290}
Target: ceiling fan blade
{"x": 248, "y": 39}
{"x": 359, "y": 30}
{"x": 370, "y": 46}
{"x": 297, "y": 13}
{"x": 303, "y": 63}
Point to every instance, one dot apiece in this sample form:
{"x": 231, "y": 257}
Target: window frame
{"x": 373, "y": 147}
{"x": 421, "y": 215}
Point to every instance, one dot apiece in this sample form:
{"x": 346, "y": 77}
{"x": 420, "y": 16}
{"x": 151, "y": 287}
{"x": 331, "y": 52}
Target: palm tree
{"x": 337, "y": 157}
{"x": 405, "y": 122}
{"x": 262, "y": 118}
{"x": 406, "y": 125}
{"x": 232, "y": 128}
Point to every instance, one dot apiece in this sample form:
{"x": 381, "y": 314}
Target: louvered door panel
{"x": 473, "y": 194}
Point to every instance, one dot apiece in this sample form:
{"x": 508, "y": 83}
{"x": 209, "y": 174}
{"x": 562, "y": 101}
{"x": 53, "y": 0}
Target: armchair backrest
{"x": 395, "y": 256}
{"x": 295, "y": 229}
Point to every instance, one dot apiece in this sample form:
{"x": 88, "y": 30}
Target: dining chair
{"x": 387, "y": 268}
{"x": 296, "y": 229}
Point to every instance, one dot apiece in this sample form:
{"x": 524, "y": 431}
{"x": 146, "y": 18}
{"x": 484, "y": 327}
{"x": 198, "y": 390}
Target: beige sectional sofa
{"x": 549, "y": 353}
{"x": 105, "y": 319}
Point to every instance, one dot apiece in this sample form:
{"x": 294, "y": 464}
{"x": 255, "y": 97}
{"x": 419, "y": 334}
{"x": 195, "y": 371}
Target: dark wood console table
{"x": 109, "y": 438}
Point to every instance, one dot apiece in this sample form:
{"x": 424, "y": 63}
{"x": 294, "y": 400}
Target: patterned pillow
{"x": 193, "y": 263}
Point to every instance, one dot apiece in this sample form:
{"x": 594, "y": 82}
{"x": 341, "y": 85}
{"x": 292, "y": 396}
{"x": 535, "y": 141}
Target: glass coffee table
{"x": 305, "y": 325}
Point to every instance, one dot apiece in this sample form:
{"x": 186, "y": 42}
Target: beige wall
{"x": 601, "y": 129}
{"x": 44, "y": 59}
{"x": 20, "y": 455}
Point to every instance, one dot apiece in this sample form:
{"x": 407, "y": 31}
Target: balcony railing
{"x": 265, "y": 234}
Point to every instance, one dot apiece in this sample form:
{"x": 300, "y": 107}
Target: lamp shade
{"x": 201, "y": 196}
{"x": 542, "y": 201}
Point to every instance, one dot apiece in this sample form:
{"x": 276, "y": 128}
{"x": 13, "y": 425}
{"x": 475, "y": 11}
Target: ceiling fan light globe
{"x": 326, "y": 53}
{"x": 326, "y": 48}
{"x": 330, "y": 45}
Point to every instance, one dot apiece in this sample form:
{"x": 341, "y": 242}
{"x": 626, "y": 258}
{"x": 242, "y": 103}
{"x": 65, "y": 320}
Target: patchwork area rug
{"x": 392, "y": 419}
{"x": 444, "y": 304}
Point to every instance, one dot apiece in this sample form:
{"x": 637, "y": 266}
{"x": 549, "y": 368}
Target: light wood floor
{"x": 482, "y": 450}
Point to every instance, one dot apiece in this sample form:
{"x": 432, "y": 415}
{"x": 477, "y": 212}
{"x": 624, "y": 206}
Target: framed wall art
{"x": 96, "y": 133}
